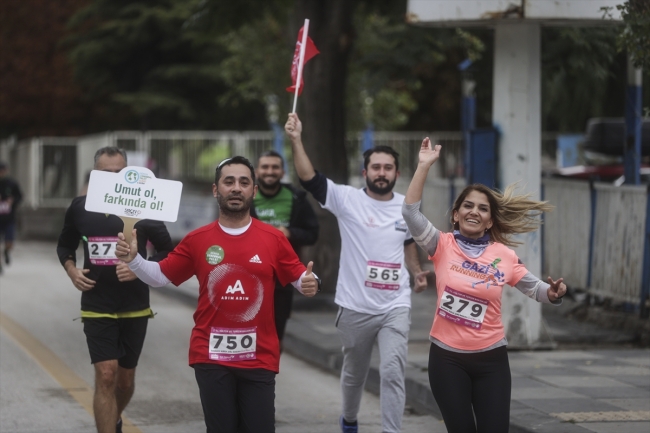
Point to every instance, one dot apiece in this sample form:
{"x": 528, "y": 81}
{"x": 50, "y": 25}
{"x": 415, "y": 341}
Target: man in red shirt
{"x": 237, "y": 259}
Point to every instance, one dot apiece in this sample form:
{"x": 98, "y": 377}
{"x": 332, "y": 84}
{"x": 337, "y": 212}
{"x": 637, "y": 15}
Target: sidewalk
{"x": 587, "y": 389}
{"x": 599, "y": 383}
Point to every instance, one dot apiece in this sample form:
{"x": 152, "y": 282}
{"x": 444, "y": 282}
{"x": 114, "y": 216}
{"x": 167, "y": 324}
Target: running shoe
{"x": 345, "y": 428}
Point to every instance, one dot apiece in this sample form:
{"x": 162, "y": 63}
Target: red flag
{"x": 310, "y": 51}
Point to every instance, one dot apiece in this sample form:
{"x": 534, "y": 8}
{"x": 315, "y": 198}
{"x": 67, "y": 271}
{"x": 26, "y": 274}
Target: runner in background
{"x": 469, "y": 371}
{"x": 115, "y": 306}
{"x": 10, "y": 198}
{"x": 372, "y": 291}
{"x": 287, "y": 209}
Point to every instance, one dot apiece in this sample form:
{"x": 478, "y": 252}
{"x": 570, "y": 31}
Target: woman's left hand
{"x": 557, "y": 289}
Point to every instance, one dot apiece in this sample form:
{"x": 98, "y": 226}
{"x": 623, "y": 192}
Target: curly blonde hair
{"x": 511, "y": 214}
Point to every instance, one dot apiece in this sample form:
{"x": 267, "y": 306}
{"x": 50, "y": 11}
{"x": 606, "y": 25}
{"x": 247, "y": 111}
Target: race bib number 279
{"x": 462, "y": 309}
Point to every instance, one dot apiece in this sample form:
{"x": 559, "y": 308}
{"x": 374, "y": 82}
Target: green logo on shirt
{"x": 214, "y": 255}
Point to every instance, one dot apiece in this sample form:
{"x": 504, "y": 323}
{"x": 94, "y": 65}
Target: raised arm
{"x": 293, "y": 128}
{"x": 424, "y": 233}
{"x": 427, "y": 157}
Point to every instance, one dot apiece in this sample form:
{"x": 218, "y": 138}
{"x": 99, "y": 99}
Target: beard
{"x": 381, "y": 190}
{"x": 234, "y": 210}
{"x": 267, "y": 185}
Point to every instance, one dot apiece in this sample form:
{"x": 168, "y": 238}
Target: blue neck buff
{"x": 472, "y": 247}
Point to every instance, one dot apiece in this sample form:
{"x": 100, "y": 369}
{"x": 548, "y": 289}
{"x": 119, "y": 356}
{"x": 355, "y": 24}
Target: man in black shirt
{"x": 114, "y": 303}
{"x": 10, "y": 198}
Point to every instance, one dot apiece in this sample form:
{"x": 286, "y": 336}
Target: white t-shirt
{"x": 372, "y": 278}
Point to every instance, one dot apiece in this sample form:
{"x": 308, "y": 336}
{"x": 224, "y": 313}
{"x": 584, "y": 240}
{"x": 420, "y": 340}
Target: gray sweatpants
{"x": 358, "y": 332}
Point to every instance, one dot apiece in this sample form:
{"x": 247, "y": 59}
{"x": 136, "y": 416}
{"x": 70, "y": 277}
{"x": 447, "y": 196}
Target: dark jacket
{"x": 303, "y": 223}
{"x": 9, "y": 189}
{"x": 109, "y": 294}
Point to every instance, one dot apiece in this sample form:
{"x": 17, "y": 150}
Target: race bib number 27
{"x": 462, "y": 309}
{"x": 229, "y": 344}
{"x": 102, "y": 250}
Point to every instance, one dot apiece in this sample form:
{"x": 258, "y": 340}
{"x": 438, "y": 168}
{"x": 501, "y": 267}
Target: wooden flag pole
{"x": 303, "y": 45}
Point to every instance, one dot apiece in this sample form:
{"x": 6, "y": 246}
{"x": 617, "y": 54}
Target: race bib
{"x": 383, "y": 276}
{"x": 462, "y": 309}
{"x": 102, "y": 250}
{"x": 231, "y": 344}
{"x": 5, "y": 208}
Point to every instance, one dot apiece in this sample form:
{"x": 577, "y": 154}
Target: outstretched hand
{"x": 429, "y": 154}
{"x": 309, "y": 282}
{"x": 557, "y": 289}
{"x": 123, "y": 250}
{"x": 293, "y": 127}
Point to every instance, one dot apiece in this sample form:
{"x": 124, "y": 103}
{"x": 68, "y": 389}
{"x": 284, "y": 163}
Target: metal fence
{"x": 52, "y": 170}
{"x": 596, "y": 236}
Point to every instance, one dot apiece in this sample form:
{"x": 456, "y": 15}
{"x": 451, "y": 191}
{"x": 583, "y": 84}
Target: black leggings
{"x": 469, "y": 386}
{"x": 236, "y": 400}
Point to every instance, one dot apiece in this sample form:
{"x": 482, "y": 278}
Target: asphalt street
{"x": 46, "y": 377}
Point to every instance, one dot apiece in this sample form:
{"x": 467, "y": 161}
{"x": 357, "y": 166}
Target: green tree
{"x": 580, "y": 68}
{"x": 159, "y": 59}
{"x": 635, "y": 34}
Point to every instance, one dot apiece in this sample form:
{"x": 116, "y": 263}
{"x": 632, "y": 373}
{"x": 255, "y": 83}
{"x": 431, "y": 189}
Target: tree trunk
{"x": 321, "y": 108}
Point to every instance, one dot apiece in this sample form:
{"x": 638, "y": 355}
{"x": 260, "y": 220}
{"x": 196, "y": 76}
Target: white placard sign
{"x": 134, "y": 192}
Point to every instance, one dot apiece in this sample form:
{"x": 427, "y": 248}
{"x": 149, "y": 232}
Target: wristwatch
{"x": 318, "y": 280}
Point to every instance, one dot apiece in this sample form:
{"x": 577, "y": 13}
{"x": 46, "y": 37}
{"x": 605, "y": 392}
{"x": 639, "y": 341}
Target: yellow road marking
{"x": 621, "y": 415}
{"x": 68, "y": 379}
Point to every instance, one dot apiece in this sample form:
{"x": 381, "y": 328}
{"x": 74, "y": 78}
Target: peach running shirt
{"x": 468, "y": 311}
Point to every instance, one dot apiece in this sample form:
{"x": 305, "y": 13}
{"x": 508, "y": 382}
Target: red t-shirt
{"x": 234, "y": 321}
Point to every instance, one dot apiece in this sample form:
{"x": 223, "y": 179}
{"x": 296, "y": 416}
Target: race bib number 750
{"x": 233, "y": 344}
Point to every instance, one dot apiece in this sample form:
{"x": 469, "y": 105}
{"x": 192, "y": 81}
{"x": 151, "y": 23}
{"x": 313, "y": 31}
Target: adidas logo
{"x": 255, "y": 259}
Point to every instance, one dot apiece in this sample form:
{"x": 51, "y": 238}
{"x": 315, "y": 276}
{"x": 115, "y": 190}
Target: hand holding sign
{"x": 125, "y": 250}
{"x": 133, "y": 194}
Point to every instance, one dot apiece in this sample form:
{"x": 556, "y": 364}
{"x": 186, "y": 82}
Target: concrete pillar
{"x": 517, "y": 114}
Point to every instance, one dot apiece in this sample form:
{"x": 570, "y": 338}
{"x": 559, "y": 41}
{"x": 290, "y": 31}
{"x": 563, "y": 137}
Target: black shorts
{"x": 120, "y": 339}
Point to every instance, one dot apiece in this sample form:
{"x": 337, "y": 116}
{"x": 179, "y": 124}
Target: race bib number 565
{"x": 462, "y": 309}
{"x": 233, "y": 344}
{"x": 385, "y": 276}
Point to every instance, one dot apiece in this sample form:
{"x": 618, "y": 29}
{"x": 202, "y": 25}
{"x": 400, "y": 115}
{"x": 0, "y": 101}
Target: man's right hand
{"x": 293, "y": 127}
{"x": 79, "y": 279}
{"x": 123, "y": 250}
